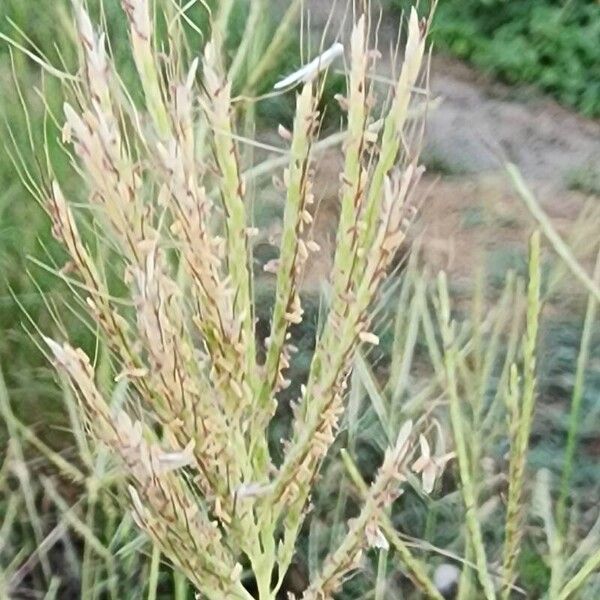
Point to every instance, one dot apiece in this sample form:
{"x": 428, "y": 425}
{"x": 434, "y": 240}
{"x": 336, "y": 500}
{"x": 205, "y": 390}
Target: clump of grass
{"x": 440, "y": 164}
{"x": 49, "y": 38}
{"x": 165, "y": 187}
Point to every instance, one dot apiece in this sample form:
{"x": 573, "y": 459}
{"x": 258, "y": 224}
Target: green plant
{"x": 552, "y": 45}
{"x": 585, "y": 179}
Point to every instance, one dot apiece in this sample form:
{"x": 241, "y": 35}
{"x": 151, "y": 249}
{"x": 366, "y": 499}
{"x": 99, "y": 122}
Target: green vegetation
{"x": 480, "y": 398}
{"x": 585, "y": 179}
{"x": 551, "y": 44}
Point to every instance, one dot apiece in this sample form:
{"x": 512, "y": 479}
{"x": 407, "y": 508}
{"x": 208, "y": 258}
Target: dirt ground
{"x": 473, "y": 210}
{"x": 471, "y": 215}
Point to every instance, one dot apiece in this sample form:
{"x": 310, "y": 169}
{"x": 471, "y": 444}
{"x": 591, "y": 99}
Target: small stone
{"x": 445, "y": 579}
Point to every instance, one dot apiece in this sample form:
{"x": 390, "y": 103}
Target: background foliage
{"x": 551, "y": 44}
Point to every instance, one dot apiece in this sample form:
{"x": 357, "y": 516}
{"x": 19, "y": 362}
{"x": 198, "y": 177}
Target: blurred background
{"x": 515, "y": 80}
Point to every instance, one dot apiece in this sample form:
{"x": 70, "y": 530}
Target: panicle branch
{"x": 293, "y": 256}
{"x": 360, "y": 265}
{"x": 364, "y": 531}
{"x": 162, "y": 505}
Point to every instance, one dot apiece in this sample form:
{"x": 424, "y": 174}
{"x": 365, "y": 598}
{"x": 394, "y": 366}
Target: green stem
{"x": 457, "y": 419}
{"x": 273, "y": 51}
{"x": 576, "y": 400}
{"x": 591, "y": 564}
{"x": 416, "y": 569}
{"x": 154, "y": 572}
{"x": 557, "y": 243}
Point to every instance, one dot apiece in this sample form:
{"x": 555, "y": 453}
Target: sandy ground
{"x": 479, "y": 118}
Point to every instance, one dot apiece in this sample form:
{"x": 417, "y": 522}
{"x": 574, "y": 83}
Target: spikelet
{"x": 141, "y": 33}
{"x": 363, "y": 531}
{"x": 293, "y": 254}
{"x": 96, "y": 64}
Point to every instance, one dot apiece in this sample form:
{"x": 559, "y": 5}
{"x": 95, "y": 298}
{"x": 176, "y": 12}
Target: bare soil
{"x": 471, "y": 215}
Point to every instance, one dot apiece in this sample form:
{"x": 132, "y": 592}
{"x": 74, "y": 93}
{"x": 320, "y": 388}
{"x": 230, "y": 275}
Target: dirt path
{"x": 545, "y": 140}
{"x": 472, "y": 216}
{"x": 479, "y": 117}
